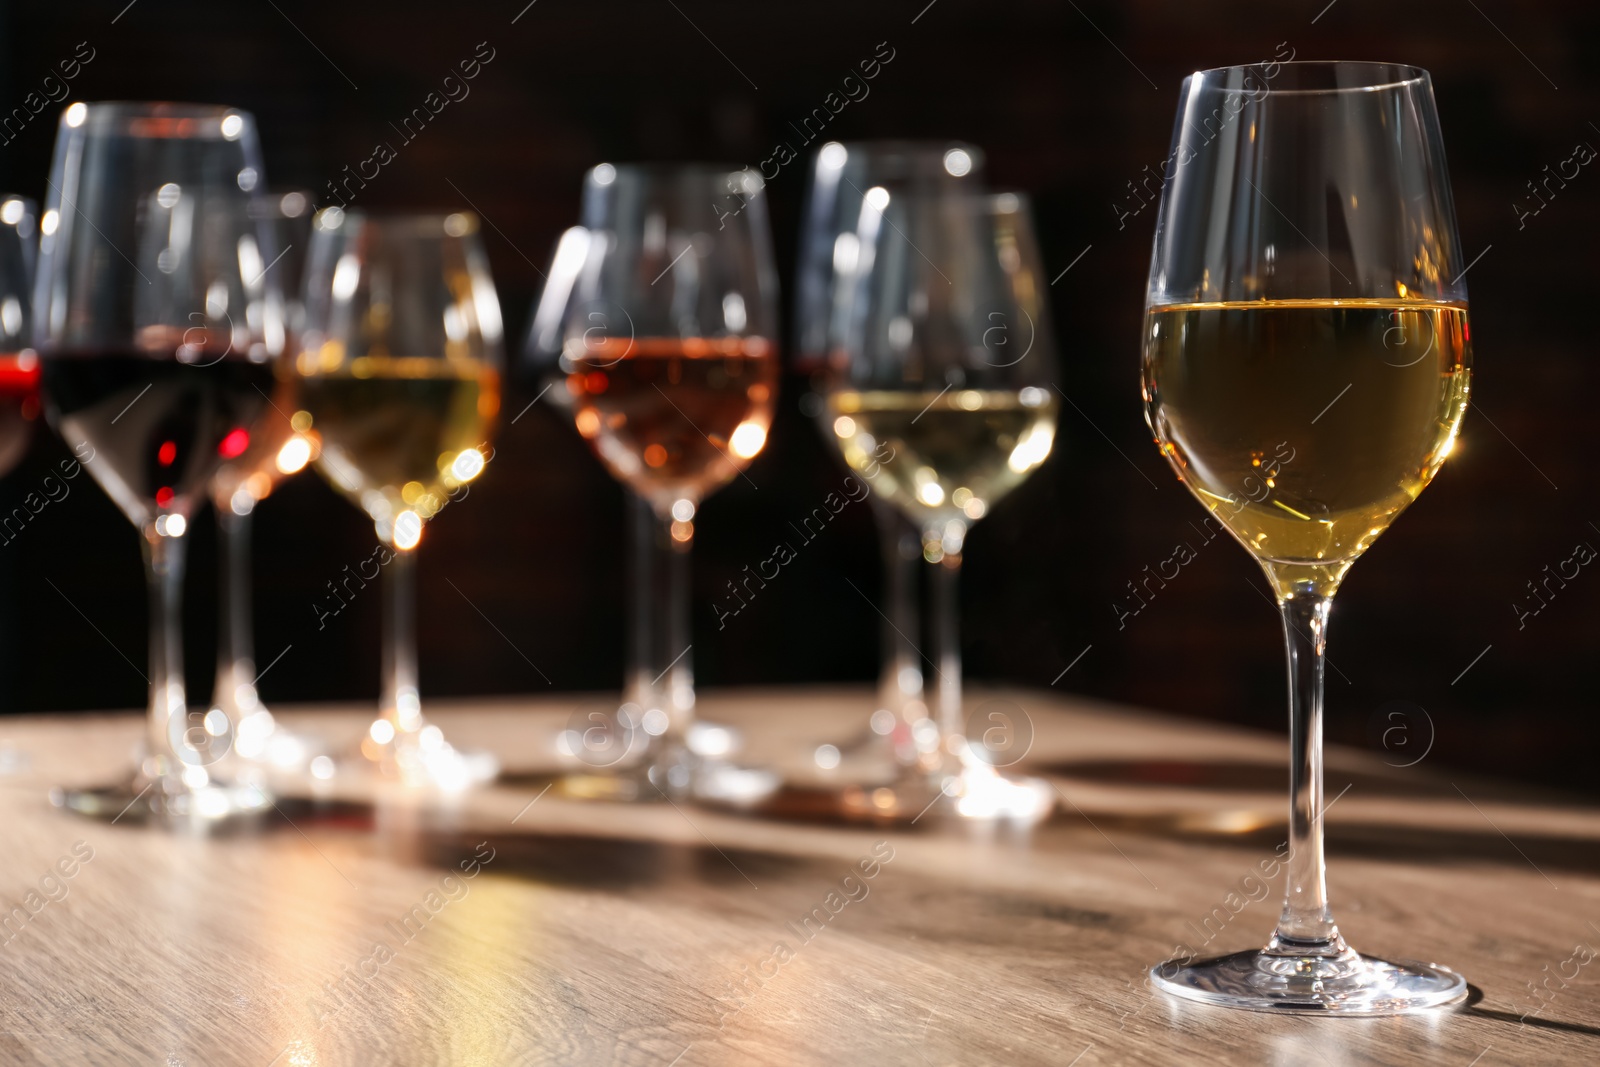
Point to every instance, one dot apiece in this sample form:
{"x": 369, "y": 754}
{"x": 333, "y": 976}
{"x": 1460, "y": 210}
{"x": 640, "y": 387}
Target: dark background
{"x": 1071, "y": 101}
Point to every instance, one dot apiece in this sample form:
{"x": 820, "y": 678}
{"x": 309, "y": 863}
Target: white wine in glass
{"x": 400, "y": 381}
{"x": 951, "y": 456}
{"x": 1308, "y": 489}
{"x": 1306, "y": 367}
{"x": 841, "y": 174}
{"x": 939, "y": 397}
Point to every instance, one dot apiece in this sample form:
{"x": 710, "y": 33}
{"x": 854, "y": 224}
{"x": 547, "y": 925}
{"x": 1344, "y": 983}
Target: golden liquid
{"x": 392, "y": 429}
{"x": 1307, "y": 426}
{"x": 941, "y": 457}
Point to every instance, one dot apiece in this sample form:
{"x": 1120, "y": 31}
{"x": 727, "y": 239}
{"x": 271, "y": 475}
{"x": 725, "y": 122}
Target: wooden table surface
{"x": 670, "y": 935}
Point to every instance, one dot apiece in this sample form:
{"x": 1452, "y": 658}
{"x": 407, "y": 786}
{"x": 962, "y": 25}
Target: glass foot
{"x": 620, "y": 759}
{"x": 979, "y": 792}
{"x": 260, "y": 740}
{"x": 914, "y": 798}
{"x": 167, "y": 797}
{"x": 678, "y": 774}
{"x": 419, "y": 758}
{"x": 1345, "y": 984}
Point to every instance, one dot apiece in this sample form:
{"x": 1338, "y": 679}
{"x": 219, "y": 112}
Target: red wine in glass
{"x": 159, "y": 427}
{"x": 19, "y": 405}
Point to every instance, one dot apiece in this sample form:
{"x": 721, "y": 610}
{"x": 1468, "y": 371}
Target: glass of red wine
{"x": 158, "y": 328}
{"x": 19, "y": 365}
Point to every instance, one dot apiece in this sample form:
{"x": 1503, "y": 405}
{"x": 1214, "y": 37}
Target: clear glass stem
{"x": 673, "y": 676}
{"x": 900, "y": 681}
{"x": 168, "y": 716}
{"x": 637, "y": 687}
{"x": 401, "y": 702}
{"x": 947, "y": 642}
{"x": 1306, "y": 926}
{"x": 235, "y": 639}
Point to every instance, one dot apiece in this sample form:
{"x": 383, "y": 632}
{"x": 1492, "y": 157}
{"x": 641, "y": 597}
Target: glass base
{"x": 679, "y": 775}
{"x": 712, "y": 783}
{"x": 1346, "y": 983}
{"x": 418, "y": 758}
{"x": 261, "y": 741}
{"x": 168, "y": 798}
{"x": 629, "y": 765}
{"x": 980, "y": 792}
{"x": 914, "y": 798}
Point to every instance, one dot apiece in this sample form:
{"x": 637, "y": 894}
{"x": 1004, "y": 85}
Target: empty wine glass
{"x": 257, "y": 459}
{"x": 939, "y": 397}
{"x": 841, "y": 174}
{"x": 664, "y": 303}
{"x": 399, "y": 361}
{"x": 158, "y": 327}
{"x": 1306, "y": 369}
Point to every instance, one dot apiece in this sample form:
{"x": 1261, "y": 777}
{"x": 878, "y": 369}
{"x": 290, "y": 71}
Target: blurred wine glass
{"x": 841, "y": 174}
{"x": 158, "y": 328}
{"x": 19, "y": 364}
{"x": 660, "y": 313}
{"x": 257, "y": 459}
{"x": 939, "y": 397}
{"x": 399, "y": 361}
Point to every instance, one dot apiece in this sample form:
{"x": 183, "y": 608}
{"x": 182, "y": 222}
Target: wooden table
{"x": 662, "y": 934}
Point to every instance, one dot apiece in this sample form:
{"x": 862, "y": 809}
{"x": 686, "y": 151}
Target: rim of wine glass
{"x": 907, "y": 146}
{"x": 1399, "y": 76}
{"x": 101, "y": 114}
{"x": 397, "y": 219}
{"x": 270, "y": 205}
{"x": 992, "y": 201}
{"x": 904, "y": 144}
{"x": 661, "y": 170}
{"x": 917, "y": 152}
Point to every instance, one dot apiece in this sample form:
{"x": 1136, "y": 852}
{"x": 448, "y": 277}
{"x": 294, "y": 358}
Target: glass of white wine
{"x": 841, "y": 174}
{"x": 939, "y": 398}
{"x": 399, "y": 361}
{"x": 1306, "y": 369}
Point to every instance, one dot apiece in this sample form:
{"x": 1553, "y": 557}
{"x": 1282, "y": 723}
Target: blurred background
{"x": 521, "y": 583}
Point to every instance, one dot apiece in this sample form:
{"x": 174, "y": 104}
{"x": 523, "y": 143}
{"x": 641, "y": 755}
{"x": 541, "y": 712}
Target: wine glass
{"x": 664, "y": 303}
{"x": 158, "y": 328}
{"x": 19, "y": 364}
{"x": 841, "y": 174}
{"x": 1306, "y": 368}
{"x": 257, "y": 459}
{"x": 399, "y": 360}
{"x": 939, "y": 398}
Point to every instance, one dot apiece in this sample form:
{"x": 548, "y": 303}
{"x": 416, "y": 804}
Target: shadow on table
{"x": 1272, "y": 779}
{"x": 586, "y": 861}
{"x": 1256, "y": 832}
{"x": 1558, "y": 1026}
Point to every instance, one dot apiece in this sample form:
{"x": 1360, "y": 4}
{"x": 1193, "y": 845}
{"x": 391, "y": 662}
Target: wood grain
{"x": 661, "y": 934}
